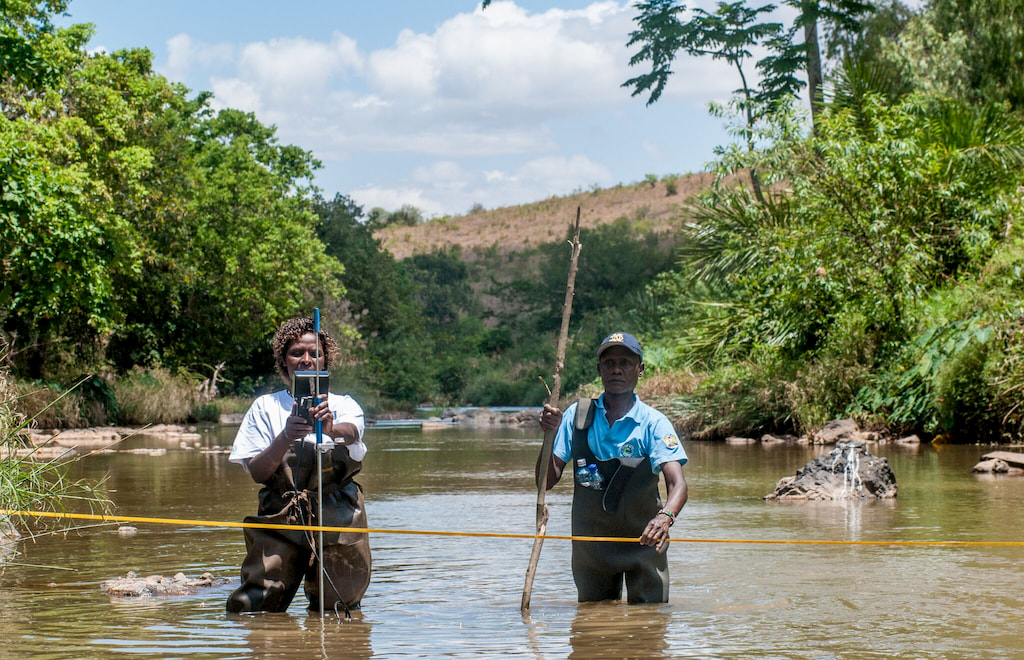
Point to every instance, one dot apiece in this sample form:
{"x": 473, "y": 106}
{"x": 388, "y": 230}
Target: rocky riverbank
{"x": 50, "y": 443}
{"x": 488, "y": 417}
{"x": 833, "y": 433}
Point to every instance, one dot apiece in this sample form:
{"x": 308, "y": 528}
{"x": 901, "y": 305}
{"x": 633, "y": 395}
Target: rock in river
{"x": 849, "y": 471}
{"x": 133, "y": 586}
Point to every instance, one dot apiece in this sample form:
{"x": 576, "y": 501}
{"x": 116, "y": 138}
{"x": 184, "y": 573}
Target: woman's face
{"x": 301, "y": 355}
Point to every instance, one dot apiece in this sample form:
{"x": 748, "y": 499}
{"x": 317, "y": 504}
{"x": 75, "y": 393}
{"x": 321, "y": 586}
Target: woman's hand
{"x": 297, "y": 427}
{"x": 322, "y": 413}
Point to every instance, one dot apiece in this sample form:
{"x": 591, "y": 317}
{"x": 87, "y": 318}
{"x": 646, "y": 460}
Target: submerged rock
{"x": 849, "y": 471}
{"x": 133, "y": 586}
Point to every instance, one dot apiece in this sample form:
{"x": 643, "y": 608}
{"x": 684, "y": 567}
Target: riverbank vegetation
{"x": 872, "y": 267}
{"x": 862, "y": 260}
{"x": 29, "y": 484}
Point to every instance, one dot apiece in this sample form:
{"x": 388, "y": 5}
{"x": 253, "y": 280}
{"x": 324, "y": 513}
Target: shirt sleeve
{"x": 346, "y": 410}
{"x": 254, "y": 434}
{"x": 665, "y": 444}
{"x": 563, "y": 439}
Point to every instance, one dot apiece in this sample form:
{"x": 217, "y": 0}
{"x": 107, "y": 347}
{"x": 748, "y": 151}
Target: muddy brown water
{"x": 435, "y": 596}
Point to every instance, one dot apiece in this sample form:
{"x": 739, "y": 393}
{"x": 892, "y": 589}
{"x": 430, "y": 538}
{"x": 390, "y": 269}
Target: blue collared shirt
{"x": 643, "y": 431}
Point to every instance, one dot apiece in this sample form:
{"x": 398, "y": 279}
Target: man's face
{"x": 301, "y": 355}
{"x": 620, "y": 369}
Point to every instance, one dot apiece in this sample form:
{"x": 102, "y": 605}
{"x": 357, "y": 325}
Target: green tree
{"x": 28, "y": 41}
{"x": 729, "y": 33}
{"x": 878, "y": 210}
{"x": 379, "y": 293}
{"x": 137, "y": 225}
{"x": 965, "y": 49}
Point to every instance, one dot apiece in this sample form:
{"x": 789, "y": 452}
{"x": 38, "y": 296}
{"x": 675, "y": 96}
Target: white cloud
{"x": 447, "y": 187}
{"x": 185, "y": 53}
{"x": 442, "y": 172}
{"x": 370, "y": 101}
{"x": 235, "y": 93}
{"x": 482, "y": 83}
{"x": 392, "y": 198}
{"x": 505, "y": 59}
{"x": 295, "y": 69}
{"x": 497, "y": 175}
{"x": 558, "y": 175}
{"x": 501, "y": 83}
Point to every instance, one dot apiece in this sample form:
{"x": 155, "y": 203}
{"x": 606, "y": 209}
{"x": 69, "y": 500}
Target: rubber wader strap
{"x": 584, "y": 415}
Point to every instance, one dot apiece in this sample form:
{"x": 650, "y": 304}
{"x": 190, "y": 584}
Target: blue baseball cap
{"x": 621, "y": 339}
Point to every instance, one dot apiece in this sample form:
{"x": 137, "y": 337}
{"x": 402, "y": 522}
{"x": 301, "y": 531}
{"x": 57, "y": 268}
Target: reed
{"x": 154, "y": 396}
{"x": 29, "y": 482}
{"x": 47, "y": 406}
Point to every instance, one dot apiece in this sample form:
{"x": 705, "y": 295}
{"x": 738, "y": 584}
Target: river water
{"x": 434, "y": 596}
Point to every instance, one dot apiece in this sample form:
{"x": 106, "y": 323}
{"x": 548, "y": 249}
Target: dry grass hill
{"x": 655, "y": 204}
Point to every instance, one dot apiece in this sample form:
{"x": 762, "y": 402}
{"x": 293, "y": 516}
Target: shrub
{"x": 963, "y": 396}
{"x": 154, "y": 396}
{"x": 742, "y": 397}
{"x": 48, "y": 406}
{"x": 671, "y": 184}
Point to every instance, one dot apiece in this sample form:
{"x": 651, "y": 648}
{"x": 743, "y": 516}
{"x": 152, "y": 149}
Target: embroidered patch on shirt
{"x": 671, "y": 441}
{"x": 628, "y": 449}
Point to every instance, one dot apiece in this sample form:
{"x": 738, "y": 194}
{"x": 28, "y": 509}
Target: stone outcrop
{"x": 836, "y": 431}
{"x": 1001, "y": 462}
{"x": 133, "y": 586}
{"x": 849, "y": 471}
{"x": 488, "y": 417}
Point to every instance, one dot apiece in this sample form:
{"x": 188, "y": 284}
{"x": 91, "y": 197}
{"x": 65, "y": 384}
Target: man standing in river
{"x": 629, "y": 444}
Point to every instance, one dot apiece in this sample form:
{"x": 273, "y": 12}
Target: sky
{"x": 434, "y": 103}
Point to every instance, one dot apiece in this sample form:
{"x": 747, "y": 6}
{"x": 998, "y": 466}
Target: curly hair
{"x": 290, "y": 331}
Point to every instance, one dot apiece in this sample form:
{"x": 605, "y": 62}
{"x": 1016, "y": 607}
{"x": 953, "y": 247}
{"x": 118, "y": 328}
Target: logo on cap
{"x": 621, "y": 339}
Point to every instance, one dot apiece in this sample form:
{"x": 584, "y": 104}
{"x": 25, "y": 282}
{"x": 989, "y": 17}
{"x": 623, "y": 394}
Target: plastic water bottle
{"x": 596, "y": 480}
{"x": 582, "y": 473}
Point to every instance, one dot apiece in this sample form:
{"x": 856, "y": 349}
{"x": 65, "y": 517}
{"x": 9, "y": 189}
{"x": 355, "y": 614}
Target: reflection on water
{"x": 600, "y": 630}
{"x": 452, "y": 596}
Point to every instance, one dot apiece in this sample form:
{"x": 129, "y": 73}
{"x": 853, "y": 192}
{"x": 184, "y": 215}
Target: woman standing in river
{"x": 277, "y": 447}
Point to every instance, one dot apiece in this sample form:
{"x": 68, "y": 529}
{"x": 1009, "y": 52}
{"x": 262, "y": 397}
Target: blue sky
{"x": 433, "y": 103}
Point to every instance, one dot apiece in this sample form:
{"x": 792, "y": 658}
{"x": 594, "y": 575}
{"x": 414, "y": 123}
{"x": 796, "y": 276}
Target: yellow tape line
{"x": 495, "y": 535}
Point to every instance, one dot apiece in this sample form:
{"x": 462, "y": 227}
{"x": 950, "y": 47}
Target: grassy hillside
{"x": 653, "y": 205}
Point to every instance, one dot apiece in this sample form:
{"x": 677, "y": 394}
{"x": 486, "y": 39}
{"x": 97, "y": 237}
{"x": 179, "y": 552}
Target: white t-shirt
{"x": 268, "y": 415}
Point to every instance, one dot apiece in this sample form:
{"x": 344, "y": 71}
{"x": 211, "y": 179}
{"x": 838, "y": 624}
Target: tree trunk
{"x": 813, "y": 62}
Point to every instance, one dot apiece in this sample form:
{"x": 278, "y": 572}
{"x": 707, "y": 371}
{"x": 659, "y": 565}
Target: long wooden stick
{"x": 549, "y": 435}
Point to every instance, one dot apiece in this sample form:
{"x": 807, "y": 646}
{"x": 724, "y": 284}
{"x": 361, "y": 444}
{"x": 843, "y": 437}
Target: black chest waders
{"x": 629, "y": 501}
{"x": 278, "y": 560}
